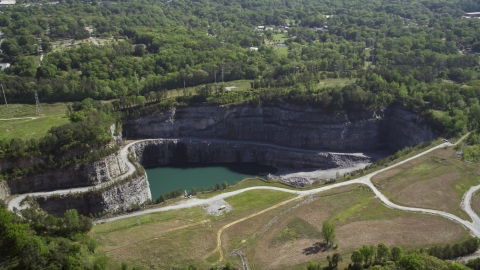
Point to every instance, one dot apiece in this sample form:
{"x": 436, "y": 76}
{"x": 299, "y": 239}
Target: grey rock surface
{"x": 116, "y": 198}
{"x": 157, "y": 152}
{"x": 75, "y": 176}
{"x": 287, "y": 125}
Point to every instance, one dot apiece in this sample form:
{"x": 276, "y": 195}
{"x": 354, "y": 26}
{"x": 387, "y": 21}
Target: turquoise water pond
{"x": 187, "y": 175}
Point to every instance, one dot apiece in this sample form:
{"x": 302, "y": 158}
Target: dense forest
{"x": 417, "y": 54}
{"x": 36, "y": 240}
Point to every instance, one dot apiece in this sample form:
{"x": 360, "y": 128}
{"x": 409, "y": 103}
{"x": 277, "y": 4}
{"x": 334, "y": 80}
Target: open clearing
{"x": 282, "y": 51}
{"x": 435, "y": 181}
{"x": 360, "y": 220}
{"x": 280, "y": 38}
{"x": 282, "y": 238}
{"x": 180, "y": 237}
{"x": 335, "y": 81}
{"x": 25, "y": 129}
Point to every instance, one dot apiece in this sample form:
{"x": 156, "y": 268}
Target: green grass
{"x": 239, "y": 85}
{"x": 335, "y": 81}
{"x": 194, "y": 214}
{"x": 53, "y": 115}
{"x": 282, "y": 51}
{"x": 296, "y": 228}
{"x": 36, "y": 59}
{"x": 246, "y": 183}
{"x": 256, "y": 198}
{"x": 282, "y": 37}
{"x": 352, "y": 210}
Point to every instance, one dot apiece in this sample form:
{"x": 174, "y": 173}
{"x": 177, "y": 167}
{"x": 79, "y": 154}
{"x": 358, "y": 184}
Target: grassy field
{"x": 335, "y": 82}
{"x": 436, "y": 180}
{"x": 280, "y": 38}
{"x": 282, "y": 51}
{"x": 282, "y": 238}
{"x": 237, "y": 85}
{"x": 177, "y": 238}
{"x": 53, "y": 115}
{"x": 360, "y": 219}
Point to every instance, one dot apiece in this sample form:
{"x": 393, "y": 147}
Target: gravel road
{"x": 474, "y": 226}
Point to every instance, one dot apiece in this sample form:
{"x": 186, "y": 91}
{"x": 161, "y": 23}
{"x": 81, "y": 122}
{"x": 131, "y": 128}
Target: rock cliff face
{"x": 287, "y": 125}
{"x": 119, "y": 197}
{"x": 75, "y": 176}
{"x": 163, "y": 151}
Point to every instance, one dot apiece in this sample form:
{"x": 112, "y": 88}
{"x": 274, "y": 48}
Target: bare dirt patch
{"x": 433, "y": 193}
{"x": 217, "y": 208}
{"x": 443, "y": 153}
{"x": 360, "y": 219}
{"x": 435, "y": 181}
{"x": 177, "y": 249}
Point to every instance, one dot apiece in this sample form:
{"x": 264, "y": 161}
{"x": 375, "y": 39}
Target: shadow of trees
{"x": 315, "y": 248}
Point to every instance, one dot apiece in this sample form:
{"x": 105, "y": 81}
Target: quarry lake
{"x": 187, "y": 175}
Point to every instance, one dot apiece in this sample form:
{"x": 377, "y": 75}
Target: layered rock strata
{"x": 287, "y": 125}
{"x": 81, "y": 175}
{"x": 157, "y": 152}
{"x": 117, "y": 198}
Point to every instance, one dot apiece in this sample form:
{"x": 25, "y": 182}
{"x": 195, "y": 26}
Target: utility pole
{"x": 222, "y": 76}
{"x": 38, "y": 107}
{"x": 215, "y": 76}
{"x": 5, "y": 97}
{"x": 373, "y": 54}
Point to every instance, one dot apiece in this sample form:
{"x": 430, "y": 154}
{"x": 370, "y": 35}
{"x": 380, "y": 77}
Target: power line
{"x": 4, "y": 96}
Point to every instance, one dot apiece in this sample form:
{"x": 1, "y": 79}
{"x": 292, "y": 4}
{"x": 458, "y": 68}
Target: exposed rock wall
{"x": 119, "y": 197}
{"x": 163, "y": 151}
{"x": 287, "y": 125}
{"x": 75, "y": 176}
{"x": 4, "y": 190}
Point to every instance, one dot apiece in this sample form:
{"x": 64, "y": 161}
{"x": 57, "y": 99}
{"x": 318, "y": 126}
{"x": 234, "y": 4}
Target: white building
{"x": 3, "y": 66}
{"x": 7, "y": 2}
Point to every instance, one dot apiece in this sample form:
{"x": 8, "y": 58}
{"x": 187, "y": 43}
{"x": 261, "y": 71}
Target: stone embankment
{"x": 287, "y": 125}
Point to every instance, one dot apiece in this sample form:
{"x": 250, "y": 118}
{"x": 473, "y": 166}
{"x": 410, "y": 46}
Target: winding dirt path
{"x": 18, "y": 118}
{"x": 218, "y": 248}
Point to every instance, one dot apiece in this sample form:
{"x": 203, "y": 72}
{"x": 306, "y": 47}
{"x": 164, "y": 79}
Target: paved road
{"x": 474, "y": 226}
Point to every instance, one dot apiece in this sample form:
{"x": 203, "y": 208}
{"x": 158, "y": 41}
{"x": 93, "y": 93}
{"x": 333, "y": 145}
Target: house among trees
{"x": 472, "y": 15}
{"x": 7, "y": 2}
{"x": 3, "y": 66}
{"x": 260, "y": 28}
